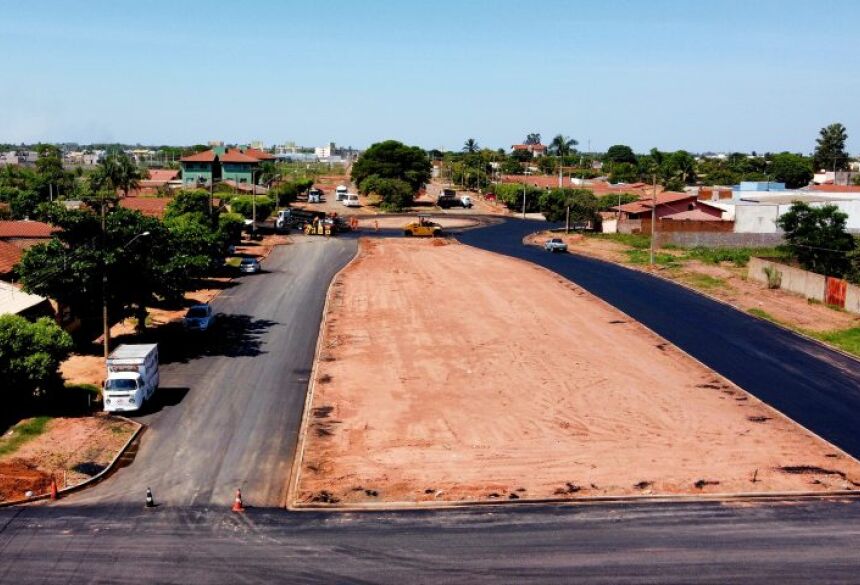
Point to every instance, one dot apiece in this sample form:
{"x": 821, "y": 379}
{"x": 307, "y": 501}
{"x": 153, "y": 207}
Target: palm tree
{"x": 471, "y": 145}
{"x": 117, "y": 172}
{"x": 562, "y": 145}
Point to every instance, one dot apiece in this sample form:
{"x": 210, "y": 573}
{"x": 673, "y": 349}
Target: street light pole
{"x": 105, "y": 318}
{"x": 524, "y": 198}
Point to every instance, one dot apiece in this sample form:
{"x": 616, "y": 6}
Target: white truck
{"x": 132, "y": 377}
{"x": 341, "y": 192}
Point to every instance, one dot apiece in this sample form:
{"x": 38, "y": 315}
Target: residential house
{"x": 221, "y": 163}
{"x": 636, "y": 216}
{"x": 535, "y": 149}
{"x": 10, "y": 255}
{"x": 14, "y": 301}
{"x": 25, "y": 233}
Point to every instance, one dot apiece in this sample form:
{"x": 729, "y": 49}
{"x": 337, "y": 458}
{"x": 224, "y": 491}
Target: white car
{"x": 351, "y": 200}
{"x": 199, "y": 318}
{"x": 341, "y": 192}
{"x": 466, "y": 201}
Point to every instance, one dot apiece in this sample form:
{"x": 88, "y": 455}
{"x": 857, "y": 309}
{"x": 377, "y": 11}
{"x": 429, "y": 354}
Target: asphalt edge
{"x": 94, "y": 479}
{"x": 717, "y": 299}
{"x": 298, "y": 457}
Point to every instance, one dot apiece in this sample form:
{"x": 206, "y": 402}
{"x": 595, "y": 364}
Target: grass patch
{"x": 847, "y": 340}
{"x": 21, "y": 433}
{"x": 703, "y": 281}
{"x": 762, "y": 314}
{"x": 638, "y": 241}
{"x": 644, "y": 257}
{"x": 234, "y": 262}
{"x": 739, "y": 256}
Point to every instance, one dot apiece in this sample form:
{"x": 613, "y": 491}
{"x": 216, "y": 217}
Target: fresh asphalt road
{"x": 230, "y": 402}
{"x": 235, "y": 426}
{"x": 807, "y": 543}
{"x": 815, "y": 386}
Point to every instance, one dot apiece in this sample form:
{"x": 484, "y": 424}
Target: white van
{"x": 351, "y": 200}
{"x": 132, "y": 377}
{"x": 340, "y": 192}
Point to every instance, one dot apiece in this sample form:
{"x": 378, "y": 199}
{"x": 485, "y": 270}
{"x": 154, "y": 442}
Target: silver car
{"x": 555, "y": 245}
{"x": 199, "y": 318}
{"x": 249, "y": 265}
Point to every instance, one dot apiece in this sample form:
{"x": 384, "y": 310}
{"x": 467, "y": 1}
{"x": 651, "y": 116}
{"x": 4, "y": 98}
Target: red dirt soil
{"x": 448, "y": 373}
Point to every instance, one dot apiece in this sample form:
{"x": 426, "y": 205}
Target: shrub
{"x": 774, "y": 277}
{"x": 394, "y": 194}
{"x": 244, "y": 205}
{"x": 30, "y": 354}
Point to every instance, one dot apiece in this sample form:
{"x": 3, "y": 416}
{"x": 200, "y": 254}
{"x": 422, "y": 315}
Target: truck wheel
{"x": 407, "y": 233}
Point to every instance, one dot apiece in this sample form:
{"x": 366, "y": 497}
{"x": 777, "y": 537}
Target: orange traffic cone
{"x": 237, "y": 503}
{"x": 53, "y": 489}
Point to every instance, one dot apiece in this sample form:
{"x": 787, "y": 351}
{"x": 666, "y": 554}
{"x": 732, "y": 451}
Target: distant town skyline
{"x": 726, "y": 76}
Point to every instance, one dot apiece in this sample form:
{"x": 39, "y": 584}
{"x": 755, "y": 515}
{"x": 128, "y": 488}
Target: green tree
{"x": 511, "y": 194}
{"x": 393, "y": 160}
{"x": 141, "y": 270}
{"x": 471, "y": 145}
{"x": 793, "y": 170}
{"x": 394, "y": 194}
{"x": 532, "y": 138}
{"x": 30, "y": 354}
{"x": 623, "y": 172}
{"x": 244, "y": 205}
{"x": 117, "y": 173}
{"x": 817, "y": 237}
{"x": 583, "y": 205}
{"x": 620, "y": 153}
{"x": 562, "y": 145}
{"x": 830, "y": 148}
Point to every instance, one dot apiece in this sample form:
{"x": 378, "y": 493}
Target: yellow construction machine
{"x": 422, "y": 228}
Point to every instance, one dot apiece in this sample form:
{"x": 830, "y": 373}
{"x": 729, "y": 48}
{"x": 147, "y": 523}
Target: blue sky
{"x": 722, "y": 75}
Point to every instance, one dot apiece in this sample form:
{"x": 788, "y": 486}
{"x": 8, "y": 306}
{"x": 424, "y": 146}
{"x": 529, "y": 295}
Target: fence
{"x": 833, "y": 291}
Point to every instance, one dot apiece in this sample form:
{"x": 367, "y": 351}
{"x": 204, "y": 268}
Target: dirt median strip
{"x": 449, "y": 374}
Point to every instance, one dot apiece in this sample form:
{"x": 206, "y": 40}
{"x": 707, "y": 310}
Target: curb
{"x": 87, "y": 482}
{"x": 298, "y": 457}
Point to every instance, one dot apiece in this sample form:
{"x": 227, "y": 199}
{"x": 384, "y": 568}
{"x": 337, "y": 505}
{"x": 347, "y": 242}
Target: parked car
{"x": 249, "y": 265}
{"x": 466, "y": 201}
{"x": 555, "y": 245}
{"x": 351, "y": 200}
{"x": 199, "y": 318}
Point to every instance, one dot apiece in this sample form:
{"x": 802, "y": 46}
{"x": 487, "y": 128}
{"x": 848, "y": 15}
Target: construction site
{"x": 503, "y": 381}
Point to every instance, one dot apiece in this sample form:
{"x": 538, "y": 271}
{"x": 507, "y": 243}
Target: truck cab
{"x": 340, "y": 192}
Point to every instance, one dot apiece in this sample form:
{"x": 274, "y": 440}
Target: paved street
{"x": 681, "y": 543}
{"x": 229, "y": 409}
{"x": 229, "y": 416}
{"x": 817, "y": 387}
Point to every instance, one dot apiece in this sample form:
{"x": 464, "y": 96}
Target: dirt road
{"x": 449, "y": 373}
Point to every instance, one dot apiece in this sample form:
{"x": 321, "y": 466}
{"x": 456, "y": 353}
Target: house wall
{"x": 192, "y": 173}
{"x": 756, "y": 219}
{"x": 239, "y": 172}
{"x": 671, "y": 225}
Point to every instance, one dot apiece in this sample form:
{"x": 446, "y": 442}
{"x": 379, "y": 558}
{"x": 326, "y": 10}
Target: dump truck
{"x": 423, "y": 227}
{"x": 132, "y": 377}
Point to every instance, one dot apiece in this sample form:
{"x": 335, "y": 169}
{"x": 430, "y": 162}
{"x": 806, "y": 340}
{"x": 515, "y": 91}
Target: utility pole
{"x": 653, "y": 219}
{"x": 524, "y": 198}
{"x": 567, "y": 221}
{"x": 105, "y": 319}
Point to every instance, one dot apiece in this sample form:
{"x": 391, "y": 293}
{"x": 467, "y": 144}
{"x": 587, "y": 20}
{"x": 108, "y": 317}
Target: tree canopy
{"x": 393, "y": 160}
{"x": 817, "y": 237}
{"x": 792, "y": 169}
{"x": 830, "y": 151}
{"x": 562, "y": 145}
{"x": 30, "y": 353}
{"x": 620, "y": 153}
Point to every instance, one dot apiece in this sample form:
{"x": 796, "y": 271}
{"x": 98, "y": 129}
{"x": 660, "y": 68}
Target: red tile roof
{"x": 836, "y": 188}
{"x": 151, "y": 206}
{"x": 163, "y": 174}
{"x": 205, "y": 156}
{"x": 259, "y": 154}
{"x": 26, "y": 229}
{"x": 234, "y": 155}
{"x": 9, "y": 256}
{"x": 645, "y": 203}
